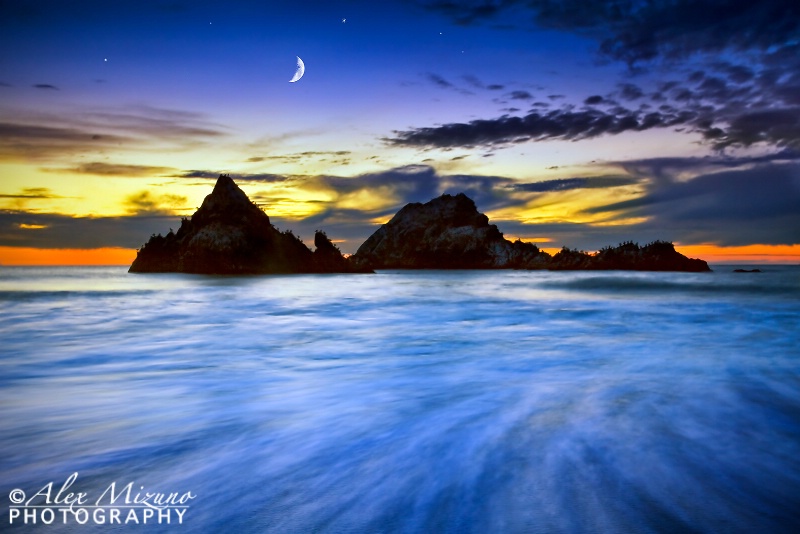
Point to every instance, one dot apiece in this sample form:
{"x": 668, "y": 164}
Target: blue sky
{"x": 570, "y": 123}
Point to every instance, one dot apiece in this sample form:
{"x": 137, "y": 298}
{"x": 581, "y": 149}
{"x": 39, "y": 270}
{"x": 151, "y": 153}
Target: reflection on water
{"x": 411, "y": 401}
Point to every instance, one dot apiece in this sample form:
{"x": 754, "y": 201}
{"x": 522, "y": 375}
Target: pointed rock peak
{"x": 226, "y": 188}
{"x": 225, "y": 196}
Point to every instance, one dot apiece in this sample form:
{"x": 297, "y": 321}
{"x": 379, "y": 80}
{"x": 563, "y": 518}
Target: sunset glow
{"x": 588, "y": 145}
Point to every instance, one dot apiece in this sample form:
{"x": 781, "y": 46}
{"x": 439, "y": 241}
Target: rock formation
{"x": 449, "y": 233}
{"x": 229, "y": 234}
{"x": 629, "y": 256}
{"x": 446, "y": 233}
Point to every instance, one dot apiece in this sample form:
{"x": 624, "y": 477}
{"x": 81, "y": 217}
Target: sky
{"x": 574, "y": 123}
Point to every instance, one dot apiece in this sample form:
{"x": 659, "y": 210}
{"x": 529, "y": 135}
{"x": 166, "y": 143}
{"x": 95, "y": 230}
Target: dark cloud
{"x": 730, "y": 104}
{"x": 239, "y": 177}
{"x": 442, "y": 83}
{"x": 99, "y": 168}
{"x": 34, "y": 135}
{"x": 32, "y": 193}
{"x": 28, "y": 141}
{"x": 566, "y": 184}
{"x": 778, "y": 127}
{"x": 147, "y": 203}
{"x": 295, "y": 157}
{"x": 563, "y": 124}
{"x": 732, "y": 207}
{"x": 45, "y": 86}
{"x": 725, "y": 105}
{"x": 630, "y": 91}
{"x": 495, "y": 87}
{"x": 474, "y": 81}
{"x": 634, "y": 31}
{"x": 736, "y": 73}
{"x": 439, "y": 81}
{"x": 63, "y": 231}
{"x": 520, "y": 95}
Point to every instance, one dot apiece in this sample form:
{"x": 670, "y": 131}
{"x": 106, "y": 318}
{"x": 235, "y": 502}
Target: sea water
{"x": 427, "y": 401}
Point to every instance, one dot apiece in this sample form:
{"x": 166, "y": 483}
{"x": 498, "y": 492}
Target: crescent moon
{"x": 301, "y": 69}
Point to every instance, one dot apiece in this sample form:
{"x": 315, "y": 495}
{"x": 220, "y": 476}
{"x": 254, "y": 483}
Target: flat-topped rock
{"x": 446, "y": 233}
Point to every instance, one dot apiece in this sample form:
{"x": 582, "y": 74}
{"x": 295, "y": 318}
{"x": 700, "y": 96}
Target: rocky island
{"x": 446, "y": 233}
{"x": 229, "y": 234}
{"x": 450, "y": 233}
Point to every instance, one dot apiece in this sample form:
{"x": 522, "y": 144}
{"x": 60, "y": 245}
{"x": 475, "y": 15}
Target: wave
{"x": 28, "y": 296}
{"x": 645, "y": 285}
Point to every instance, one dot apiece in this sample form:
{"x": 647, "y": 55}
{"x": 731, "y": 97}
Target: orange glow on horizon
{"x": 66, "y": 256}
{"x": 124, "y": 256}
{"x": 743, "y": 254}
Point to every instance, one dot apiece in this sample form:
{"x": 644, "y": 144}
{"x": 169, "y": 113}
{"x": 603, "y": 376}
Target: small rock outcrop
{"x": 450, "y": 233}
{"x": 446, "y": 233}
{"x": 229, "y": 234}
{"x": 629, "y": 256}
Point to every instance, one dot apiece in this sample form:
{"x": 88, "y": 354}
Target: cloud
{"x": 319, "y": 155}
{"x": 99, "y": 168}
{"x": 439, "y": 81}
{"x": 45, "y": 86}
{"x": 63, "y": 231}
{"x": 30, "y": 141}
{"x": 779, "y": 127}
{"x": 731, "y": 207}
{"x": 561, "y": 124}
{"x": 566, "y": 184}
{"x": 213, "y": 175}
{"x": 725, "y": 105}
{"x": 722, "y": 199}
{"x": 630, "y": 91}
{"x": 33, "y": 135}
{"x": 520, "y": 95}
{"x": 147, "y": 203}
{"x": 641, "y": 31}
{"x": 32, "y": 193}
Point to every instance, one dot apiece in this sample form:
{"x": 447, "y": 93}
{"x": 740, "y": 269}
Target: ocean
{"x": 405, "y": 401}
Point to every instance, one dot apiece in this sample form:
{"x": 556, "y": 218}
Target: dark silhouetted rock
{"x": 328, "y": 258}
{"x": 450, "y": 233}
{"x": 747, "y": 270}
{"x": 446, "y": 233}
{"x": 229, "y": 234}
{"x": 656, "y": 256}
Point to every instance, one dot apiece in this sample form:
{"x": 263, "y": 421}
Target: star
{"x": 344, "y": 20}
{"x": 105, "y": 59}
